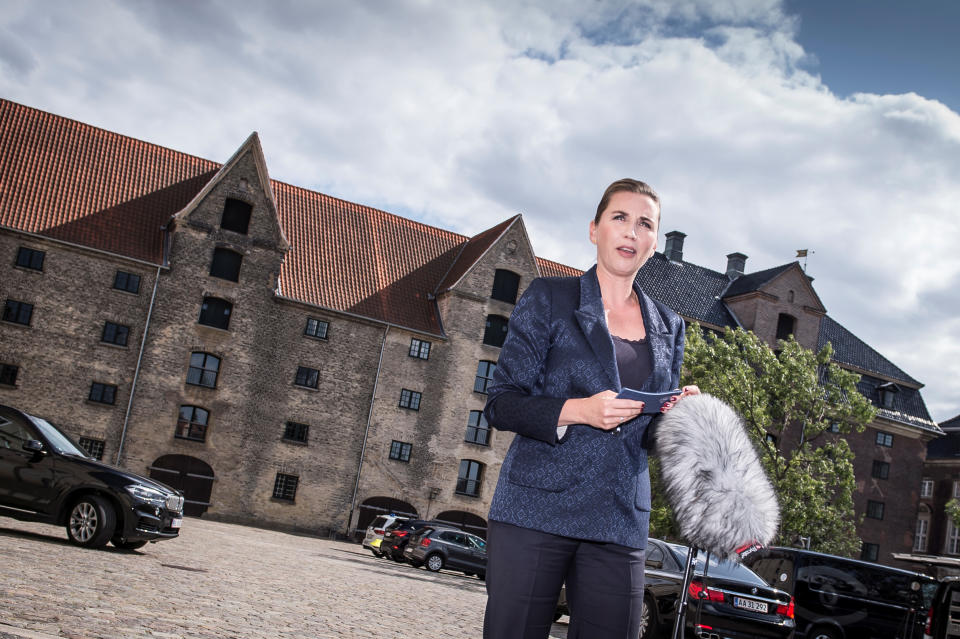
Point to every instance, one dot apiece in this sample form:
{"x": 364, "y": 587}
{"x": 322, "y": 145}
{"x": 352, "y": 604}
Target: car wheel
{"x": 91, "y": 522}
{"x": 434, "y": 562}
{"x": 648, "y": 619}
{"x": 823, "y": 633}
{"x": 128, "y": 545}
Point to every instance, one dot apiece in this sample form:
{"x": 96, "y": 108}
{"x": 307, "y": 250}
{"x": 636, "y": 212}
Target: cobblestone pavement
{"x": 225, "y": 581}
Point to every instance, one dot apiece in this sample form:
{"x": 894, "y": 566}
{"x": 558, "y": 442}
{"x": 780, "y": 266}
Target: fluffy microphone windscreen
{"x": 720, "y": 496}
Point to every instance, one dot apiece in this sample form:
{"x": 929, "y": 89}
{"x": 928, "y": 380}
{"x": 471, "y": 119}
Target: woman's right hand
{"x": 602, "y": 410}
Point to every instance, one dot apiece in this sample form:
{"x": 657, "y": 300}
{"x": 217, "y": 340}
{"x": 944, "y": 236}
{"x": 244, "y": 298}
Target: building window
{"x": 30, "y": 258}
{"x": 956, "y": 489}
{"x": 17, "y": 312}
{"x": 920, "y": 535}
{"x": 295, "y": 432}
{"x": 886, "y": 393}
{"x": 771, "y": 439}
{"x": 309, "y": 377}
{"x": 115, "y": 334}
{"x": 478, "y": 431}
{"x": 102, "y": 393}
{"x": 192, "y": 423}
{"x": 496, "y": 330}
{"x": 126, "y": 282}
{"x": 226, "y": 264}
{"x": 215, "y": 312}
{"x": 94, "y": 447}
{"x": 875, "y": 509}
{"x": 316, "y": 328}
{"x": 485, "y": 370}
{"x": 881, "y": 470}
{"x": 8, "y": 374}
{"x": 884, "y": 439}
{"x": 469, "y": 478}
{"x": 786, "y": 325}
{"x": 400, "y": 450}
{"x": 203, "y": 370}
{"x": 409, "y": 399}
{"x": 505, "y": 285}
{"x": 236, "y": 216}
{"x": 953, "y": 538}
{"x": 926, "y": 487}
{"x": 285, "y": 487}
{"x": 870, "y": 552}
{"x": 419, "y": 349}
{"x": 834, "y": 427}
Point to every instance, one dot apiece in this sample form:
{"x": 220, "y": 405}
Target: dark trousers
{"x": 526, "y": 568}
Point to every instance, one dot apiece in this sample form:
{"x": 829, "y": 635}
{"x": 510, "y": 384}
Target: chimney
{"x": 736, "y": 263}
{"x": 674, "y": 248}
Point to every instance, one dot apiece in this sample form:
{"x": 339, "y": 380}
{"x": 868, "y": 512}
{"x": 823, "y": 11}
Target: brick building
{"x": 294, "y": 360}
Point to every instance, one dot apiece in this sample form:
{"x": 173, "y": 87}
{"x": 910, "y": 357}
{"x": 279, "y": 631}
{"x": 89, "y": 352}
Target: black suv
{"x": 46, "y": 477}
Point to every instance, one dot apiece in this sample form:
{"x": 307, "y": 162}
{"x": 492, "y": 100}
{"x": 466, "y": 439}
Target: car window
{"x": 716, "y": 567}
{"x": 654, "y": 555}
{"x": 13, "y": 434}
{"x": 60, "y": 442}
{"x": 831, "y": 576}
{"x": 378, "y": 522}
{"x": 477, "y": 543}
{"x": 776, "y": 571}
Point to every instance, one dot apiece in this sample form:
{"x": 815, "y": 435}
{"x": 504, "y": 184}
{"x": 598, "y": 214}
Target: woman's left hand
{"x": 687, "y": 391}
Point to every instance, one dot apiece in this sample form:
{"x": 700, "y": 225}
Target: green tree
{"x": 792, "y": 401}
{"x": 953, "y": 511}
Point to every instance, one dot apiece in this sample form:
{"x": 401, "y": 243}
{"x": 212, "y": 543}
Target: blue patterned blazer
{"x": 592, "y": 484}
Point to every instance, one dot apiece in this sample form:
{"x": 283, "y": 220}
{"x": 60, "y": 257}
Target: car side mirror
{"x": 33, "y": 446}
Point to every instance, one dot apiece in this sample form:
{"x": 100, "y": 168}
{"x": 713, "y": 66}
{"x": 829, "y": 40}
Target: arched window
{"x": 215, "y": 312}
{"x": 204, "y": 369}
{"x": 470, "y": 477}
{"x": 505, "y": 285}
{"x": 478, "y": 431}
{"x": 192, "y": 423}
{"x": 496, "y": 330}
{"x": 236, "y": 216}
{"x": 226, "y": 264}
{"x": 786, "y": 325}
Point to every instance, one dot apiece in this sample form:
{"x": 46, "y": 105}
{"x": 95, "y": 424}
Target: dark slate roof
{"x": 953, "y": 422}
{"x": 850, "y": 349}
{"x": 749, "y": 282}
{"x": 908, "y": 405}
{"x": 692, "y": 291}
{"x": 946, "y": 447}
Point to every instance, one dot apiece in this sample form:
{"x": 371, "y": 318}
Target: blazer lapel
{"x": 590, "y": 317}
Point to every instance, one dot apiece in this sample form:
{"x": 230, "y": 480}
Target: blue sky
{"x": 766, "y": 127}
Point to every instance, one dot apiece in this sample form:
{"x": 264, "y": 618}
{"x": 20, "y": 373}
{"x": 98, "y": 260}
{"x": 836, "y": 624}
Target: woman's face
{"x": 626, "y": 235}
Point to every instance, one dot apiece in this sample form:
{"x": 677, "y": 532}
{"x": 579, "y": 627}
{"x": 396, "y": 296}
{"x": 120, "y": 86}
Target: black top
{"x": 634, "y": 361}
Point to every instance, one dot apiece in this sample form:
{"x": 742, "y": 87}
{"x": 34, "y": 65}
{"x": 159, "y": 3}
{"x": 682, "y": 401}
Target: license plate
{"x": 750, "y": 604}
{"x": 176, "y": 522}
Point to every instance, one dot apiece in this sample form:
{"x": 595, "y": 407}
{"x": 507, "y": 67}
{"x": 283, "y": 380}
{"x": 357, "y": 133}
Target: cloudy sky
{"x": 767, "y": 126}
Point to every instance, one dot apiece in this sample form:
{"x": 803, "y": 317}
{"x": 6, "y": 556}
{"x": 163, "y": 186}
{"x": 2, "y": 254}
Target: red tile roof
{"x": 71, "y": 181}
{"x": 549, "y": 268}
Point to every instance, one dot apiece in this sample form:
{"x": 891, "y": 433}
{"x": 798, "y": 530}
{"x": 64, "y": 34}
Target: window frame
{"x": 318, "y": 323}
{"x": 107, "y": 325}
{"x": 410, "y": 399}
{"x": 874, "y": 510}
{"x": 207, "y": 312}
{"x": 306, "y": 373}
{"x": 417, "y": 348}
{"x": 87, "y": 444}
{"x": 400, "y": 451}
{"x": 870, "y": 551}
{"x": 13, "y": 311}
{"x": 508, "y": 289}
{"x": 480, "y": 427}
{"x": 495, "y": 330}
{"x": 782, "y": 320}
{"x": 203, "y": 370}
{"x": 281, "y": 486}
{"x": 6, "y": 378}
{"x": 926, "y": 488}
{"x": 101, "y": 389}
{"x": 880, "y": 470}
{"x": 921, "y": 534}
{"x": 884, "y": 439}
{"x": 31, "y": 255}
{"x": 128, "y": 278}
{"x": 481, "y": 384}
{"x": 186, "y": 427}
{"x": 224, "y": 268}
{"x": 464, "y": 481}
{"x": 296, "y": 432}
{"x": 240, "y": 214}
{"x": 952, "y": 542}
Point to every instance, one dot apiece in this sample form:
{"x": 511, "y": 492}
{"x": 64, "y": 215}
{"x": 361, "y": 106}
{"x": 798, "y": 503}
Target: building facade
{"x": 294, "y": 360}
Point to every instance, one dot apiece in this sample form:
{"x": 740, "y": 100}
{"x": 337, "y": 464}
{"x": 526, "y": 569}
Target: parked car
{"x": 438, "y": 547}
{"x": 46, "y": 477}
{"x": 725, "y": 598}
{"x": 840, "y": 598}
{"x": 374, "y": 533}
{"x": 943, "y": 616}
{"x": 397, "y": 535}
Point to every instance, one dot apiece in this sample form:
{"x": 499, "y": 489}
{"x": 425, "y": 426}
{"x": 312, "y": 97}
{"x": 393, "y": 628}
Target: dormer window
{"x": 236, "y": 216}
{"x": 786, "y": 325}
{"x": 886, "y": 391}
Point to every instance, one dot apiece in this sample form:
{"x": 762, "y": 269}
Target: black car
{"x": 841, "y": 598}
{"x": 398, "y": 534}
{"x": 438, "y": 547}
{"x": 726, "y": 599}
{"x": 943, "y": 616}
{"x": 46, "y": 477}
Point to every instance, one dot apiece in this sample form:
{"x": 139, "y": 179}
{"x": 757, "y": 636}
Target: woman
{"x": 573, "y": 500}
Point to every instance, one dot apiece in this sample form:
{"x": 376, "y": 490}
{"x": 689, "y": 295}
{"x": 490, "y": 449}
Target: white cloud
{"x": 464, "y": 113}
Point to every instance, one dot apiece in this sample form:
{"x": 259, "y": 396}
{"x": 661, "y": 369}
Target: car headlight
{"x": 148, "y": 495}
{"x": 175, "y": 503}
